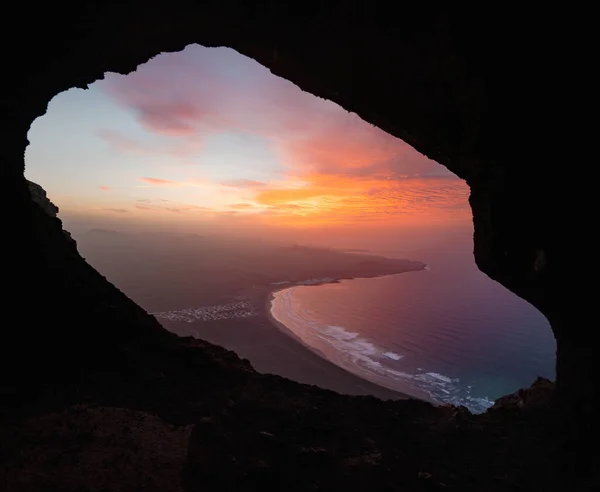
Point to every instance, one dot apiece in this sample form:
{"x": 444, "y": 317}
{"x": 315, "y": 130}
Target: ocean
{"x": 448, "y": 334}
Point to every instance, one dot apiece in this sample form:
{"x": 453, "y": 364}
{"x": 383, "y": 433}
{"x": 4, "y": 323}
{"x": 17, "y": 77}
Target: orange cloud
{"x": 244, "y": 183}
{"x": 330, "y": 200}
{"x": 169, "y": 182}
{"x": 243, "y": 206}
{"x": 335, "y": 167}
{"x": 162, "y": 205}
{"x": 159, "y": 182}
{"x": 278, "y": 196}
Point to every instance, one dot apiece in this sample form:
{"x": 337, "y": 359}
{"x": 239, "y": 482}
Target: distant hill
{"x": 163, "y": 272}
{"x": 299, "y": 248}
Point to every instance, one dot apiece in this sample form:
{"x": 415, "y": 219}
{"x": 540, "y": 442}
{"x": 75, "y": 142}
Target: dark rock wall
{"x": 476, "y": 91}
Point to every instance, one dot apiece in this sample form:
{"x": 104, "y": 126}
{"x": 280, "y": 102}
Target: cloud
{"x": 187, "y": 208}
{"x": 175, "y": 118}
{"x": 243, "y": 206}
{"x": 229, "y": 213}
{"x": 362, "y": 201}
{"x": 335, "y": 166}
{"x": 160, "y": 205}
{"x": 277, "y": 196}
{"x": 104, "y": 188}
{"x": 201, "y": 91}
{"x": 117, "y": 210}
{"x": 195, "y": 182}
{"x": 159, "y": 181}
{"x": 244, "y": 183}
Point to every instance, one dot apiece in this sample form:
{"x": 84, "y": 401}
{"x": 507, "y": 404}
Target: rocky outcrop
{"x": 540, "y": 394}
{"x": 39, "y": 197}
{"x": 483, "y": 94}
{"x": 207, "y": 421}
{"x": 111, "y": 449}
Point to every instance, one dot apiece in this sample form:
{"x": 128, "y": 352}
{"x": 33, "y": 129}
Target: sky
{"x": 207, "y": 139}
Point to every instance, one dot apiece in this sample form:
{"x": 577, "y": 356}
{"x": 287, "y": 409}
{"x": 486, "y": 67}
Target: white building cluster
{"x": 233, "y": 310}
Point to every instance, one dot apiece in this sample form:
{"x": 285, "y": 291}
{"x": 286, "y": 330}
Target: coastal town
{"x": 232, "y": 310}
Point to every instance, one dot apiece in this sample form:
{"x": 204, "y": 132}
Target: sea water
{"x": 448, "y": 334}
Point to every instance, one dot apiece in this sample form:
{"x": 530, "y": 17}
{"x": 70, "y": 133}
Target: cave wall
{"x": 469, "y": 89}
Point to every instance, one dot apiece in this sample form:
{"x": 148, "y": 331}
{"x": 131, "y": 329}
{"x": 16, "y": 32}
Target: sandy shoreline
{"x": 281, "y": 327}
{"x": 272, "y": 348}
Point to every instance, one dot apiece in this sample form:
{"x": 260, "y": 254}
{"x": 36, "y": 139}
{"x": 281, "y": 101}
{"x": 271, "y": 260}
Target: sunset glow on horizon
{"x": 207, "y": 135}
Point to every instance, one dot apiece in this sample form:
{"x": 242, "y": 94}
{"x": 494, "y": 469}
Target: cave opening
{"x": 492, "y": 98}
{"x": 149, "y": 168}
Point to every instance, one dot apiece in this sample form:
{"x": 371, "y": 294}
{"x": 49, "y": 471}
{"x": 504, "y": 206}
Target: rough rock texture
{"x": 40, "y": 198}
{"x": 538, "y": 395}
{"x": 206, "y": 421}
{"x": 95, "y": 448}
{"x": 484, "y": 93}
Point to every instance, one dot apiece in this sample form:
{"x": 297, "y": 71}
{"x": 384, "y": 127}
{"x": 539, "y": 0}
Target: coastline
{"x": 274, "y": 347}
{"x": 271, "y": 348}
{"x": 281, "y": 327}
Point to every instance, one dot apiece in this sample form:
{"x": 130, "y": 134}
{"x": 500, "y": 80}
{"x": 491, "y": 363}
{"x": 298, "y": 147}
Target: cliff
{"x": 39, "y": 197}
{"x": 85, "y": 372}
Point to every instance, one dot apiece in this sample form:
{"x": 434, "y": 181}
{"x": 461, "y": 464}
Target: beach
{"x": 273, "y": 349}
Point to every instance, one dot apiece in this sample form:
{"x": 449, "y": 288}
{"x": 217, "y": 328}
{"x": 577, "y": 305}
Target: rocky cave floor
{"x": 203, "y": 419}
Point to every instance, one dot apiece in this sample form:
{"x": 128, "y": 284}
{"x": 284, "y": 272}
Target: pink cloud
{"x": 117, "y": 210}
{"x": 160, "y": 206}
{"x": 159, "y": 182}
{"x": 244, "y": 183}
{"x": 201, "y": 91}
{"x": 104, "y": 188}
{"x": 175, "y": 118}
{"x": 243, "y": 206}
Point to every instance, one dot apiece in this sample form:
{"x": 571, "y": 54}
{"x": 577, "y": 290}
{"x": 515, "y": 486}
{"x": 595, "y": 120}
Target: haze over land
{"x": 169, "y": 271}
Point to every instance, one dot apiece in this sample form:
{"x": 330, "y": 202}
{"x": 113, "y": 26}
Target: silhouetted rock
{"x": 39, "y": 197}
{"x": 486, "y": 95}
{"x": 540, "y": 394}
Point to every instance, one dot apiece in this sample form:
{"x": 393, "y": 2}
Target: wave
{"x": 393, "y": 355}
{"x": 370, "y": 360}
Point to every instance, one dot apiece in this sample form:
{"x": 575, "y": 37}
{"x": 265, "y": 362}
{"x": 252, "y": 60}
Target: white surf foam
{"x": 441, "y": 377}
{"x": 340, "y": 333}
{"x": 365, "y": 358}
{"x": 393, "y": 355}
